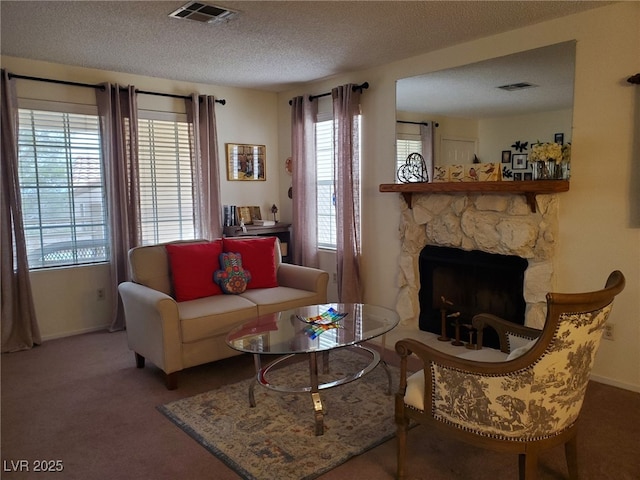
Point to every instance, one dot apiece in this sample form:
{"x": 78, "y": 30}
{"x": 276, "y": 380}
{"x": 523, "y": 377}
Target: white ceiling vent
{"x": 516, "y": 86}
{"x": 201, "y": 12}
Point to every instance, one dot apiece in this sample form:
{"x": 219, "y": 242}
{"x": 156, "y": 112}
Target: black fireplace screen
{"x": 468, "y": 283}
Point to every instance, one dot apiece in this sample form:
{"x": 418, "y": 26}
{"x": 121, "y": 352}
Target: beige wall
{"x": 497, "y": 134}
{"x": 598, "y": 232}
{"x": 65, "y": 298}
{"x": 494, "y": 134}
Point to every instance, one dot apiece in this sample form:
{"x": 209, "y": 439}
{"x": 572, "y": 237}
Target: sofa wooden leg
{"x": 139, "y": 360}
{"x": 171, "y": 380}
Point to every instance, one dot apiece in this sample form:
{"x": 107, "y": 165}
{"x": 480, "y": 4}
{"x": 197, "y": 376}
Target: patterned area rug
{"x": 276, "y": 439}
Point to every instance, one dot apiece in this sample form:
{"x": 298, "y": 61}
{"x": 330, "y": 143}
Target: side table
{"x": 280, "y": 230}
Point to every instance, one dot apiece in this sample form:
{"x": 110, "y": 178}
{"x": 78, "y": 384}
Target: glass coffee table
{"x": 310, "y": 331}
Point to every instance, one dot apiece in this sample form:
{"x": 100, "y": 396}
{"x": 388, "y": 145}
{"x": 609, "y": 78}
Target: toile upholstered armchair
{"x": 528, "y": 402}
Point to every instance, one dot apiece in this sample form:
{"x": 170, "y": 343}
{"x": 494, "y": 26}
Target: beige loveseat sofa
{"x": 177, "y": 335}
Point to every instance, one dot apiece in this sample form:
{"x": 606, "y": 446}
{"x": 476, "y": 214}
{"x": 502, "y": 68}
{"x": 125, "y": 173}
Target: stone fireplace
{"x": 490, "y": 223}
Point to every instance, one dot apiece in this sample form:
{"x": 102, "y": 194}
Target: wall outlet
{"x": 100, "y": 294}
{"x": 608, "y": 331}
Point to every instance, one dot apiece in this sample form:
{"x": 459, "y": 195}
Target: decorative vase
{"x": 558, "y": 171}
{"x": 550, "y": 170}
{"x": 541, "y": 170}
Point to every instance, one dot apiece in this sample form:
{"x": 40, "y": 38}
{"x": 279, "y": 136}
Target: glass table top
{"x": 290, "y": 331}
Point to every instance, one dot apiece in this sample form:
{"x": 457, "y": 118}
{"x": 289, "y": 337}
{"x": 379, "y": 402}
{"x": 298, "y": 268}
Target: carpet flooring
{"x": 82, "y": 401}
{"x": 276, "y": 438}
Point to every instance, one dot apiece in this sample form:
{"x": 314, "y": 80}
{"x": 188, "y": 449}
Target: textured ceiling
{"x": 269, "y": 46}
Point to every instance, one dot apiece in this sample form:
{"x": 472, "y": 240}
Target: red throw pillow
{"x": 192, "y": 269}
{"x": 258, "y": 257}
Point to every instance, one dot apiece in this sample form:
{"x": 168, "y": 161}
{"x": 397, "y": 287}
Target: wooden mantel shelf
{"x": 527, "y": 188}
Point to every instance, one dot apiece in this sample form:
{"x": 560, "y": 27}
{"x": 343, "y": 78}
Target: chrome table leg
{"x": 315, "y": 394}
{"x": 252, "y": 386}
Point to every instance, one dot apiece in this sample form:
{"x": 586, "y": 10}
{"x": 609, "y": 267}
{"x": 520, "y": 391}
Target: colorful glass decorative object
{"x": 323, "y": 322}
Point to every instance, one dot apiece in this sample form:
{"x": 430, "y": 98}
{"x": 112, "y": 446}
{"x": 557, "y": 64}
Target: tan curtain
{"x": 346, "y": 108}
{"x": 205, "y": 166}
{"x": 426, "y": 137}
{"x": 19, "y": 325}
{"x": 305, "y": 225}
{"x": 118, "y": 112}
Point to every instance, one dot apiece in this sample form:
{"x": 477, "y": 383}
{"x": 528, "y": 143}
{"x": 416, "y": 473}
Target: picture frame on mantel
{"x": 519, "y": 161}
{"x": 246, "y": 162}
{"x": 559, "y": 138}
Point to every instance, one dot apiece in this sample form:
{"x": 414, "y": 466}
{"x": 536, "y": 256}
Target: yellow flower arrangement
{"x": 550, "y": 160}
{"x": 541, "y": 152}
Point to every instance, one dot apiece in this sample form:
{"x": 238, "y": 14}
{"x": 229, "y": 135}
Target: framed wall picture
{"x": 559, "y": 138}
{"x": 246, "y": 162}
{"x": 506, "y": 156}
{"x": 519, "y": 161}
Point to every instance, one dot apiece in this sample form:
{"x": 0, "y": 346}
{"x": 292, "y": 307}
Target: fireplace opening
{"x": 458, "y": 284}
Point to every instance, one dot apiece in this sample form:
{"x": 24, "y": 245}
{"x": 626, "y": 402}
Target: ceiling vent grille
{"x": 516, "y": 86}
{"x": 201, "y": 12}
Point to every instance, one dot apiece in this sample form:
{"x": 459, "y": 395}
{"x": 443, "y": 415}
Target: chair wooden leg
{"x": 171, "y": 380}
{"x": 139, "y": 360}
{"x": 528, "y": 465}
{"x": 401, "y": 436}
{"x": 571, "y": 452}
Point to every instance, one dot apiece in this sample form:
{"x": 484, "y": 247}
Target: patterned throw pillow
{"x": 232, "y": 278}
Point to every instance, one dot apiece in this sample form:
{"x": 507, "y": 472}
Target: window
{"x": 166, "y": 185}
{"x": 324, "y": 182}
{"x": 62, "y": 183}
{"x": 406, "y": 145}
{"x": 62, "y": 186}
{"x": 325, "y": 188}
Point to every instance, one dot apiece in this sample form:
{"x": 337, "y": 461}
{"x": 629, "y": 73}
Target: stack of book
{"x": 230, "y": 215}
{"x": 264, "y": 223}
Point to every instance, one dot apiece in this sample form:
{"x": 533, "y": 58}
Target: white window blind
{"x": 62, "y": 188}
{"x": 324, "y": 184}
{"x": 324, "y": 181}
{"x": 166, "y": 185}
{"x": 405, "y": 146}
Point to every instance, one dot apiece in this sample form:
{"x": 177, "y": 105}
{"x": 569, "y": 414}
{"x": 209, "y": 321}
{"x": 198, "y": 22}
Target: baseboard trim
{"x": 74, "y": 332}
{"x": 615, "y": 383}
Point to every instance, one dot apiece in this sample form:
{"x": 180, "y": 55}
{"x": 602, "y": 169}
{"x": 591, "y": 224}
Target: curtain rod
{"x": 417, "y": 123}
{"x": 361, "y": 87}
{"x": 221, "y": 101}
{"x": 49, "y": 80}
